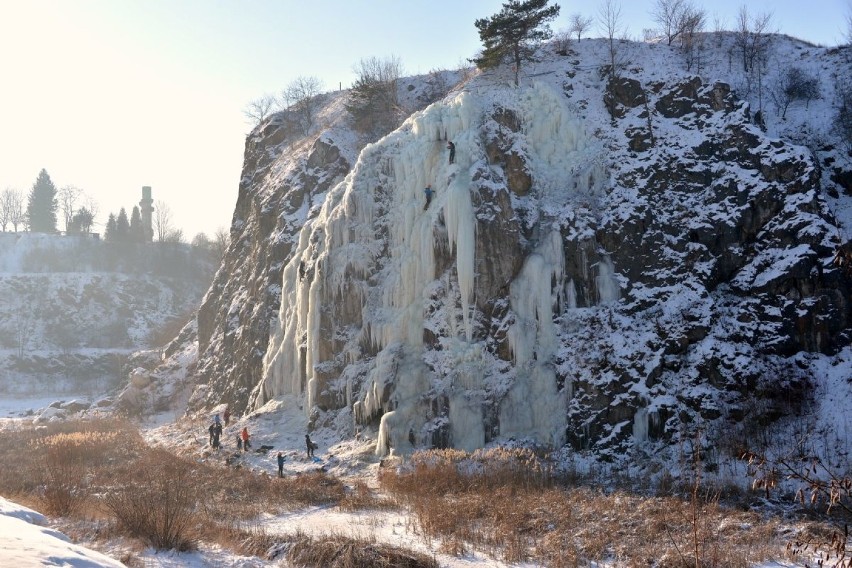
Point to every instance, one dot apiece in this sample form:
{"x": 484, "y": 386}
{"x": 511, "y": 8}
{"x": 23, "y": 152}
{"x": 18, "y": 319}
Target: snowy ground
{"x": 280, "y": 424}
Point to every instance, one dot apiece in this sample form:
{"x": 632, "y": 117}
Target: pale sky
{"x": 111, "y": 95}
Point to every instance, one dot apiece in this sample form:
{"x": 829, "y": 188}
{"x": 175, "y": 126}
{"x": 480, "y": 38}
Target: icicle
{"x": 640, "y": 426}
{"x": 571, "y": 295}
{"x": 608, "y": 288}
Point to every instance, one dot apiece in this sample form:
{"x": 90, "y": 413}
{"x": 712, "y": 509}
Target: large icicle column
{"x": 561, "y": 163}
{"x": 534, "y": 407}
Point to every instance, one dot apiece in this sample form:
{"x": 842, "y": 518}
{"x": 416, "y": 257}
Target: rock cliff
{"x": 609, "y": 262}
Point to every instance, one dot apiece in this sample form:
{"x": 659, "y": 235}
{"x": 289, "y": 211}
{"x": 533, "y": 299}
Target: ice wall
{"x": 342, "y": 246}
{"x": 534, "y": 407}
{"x": 372, "y": 245}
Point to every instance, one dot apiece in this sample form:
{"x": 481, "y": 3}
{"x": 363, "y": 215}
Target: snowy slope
{"x": 25, "y": 542}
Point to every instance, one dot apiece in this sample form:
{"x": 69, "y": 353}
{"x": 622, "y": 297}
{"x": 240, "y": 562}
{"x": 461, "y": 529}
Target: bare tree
{"x": 578, "y": 24}
{"x": 68, "y": 196}
{"x": 609, "y": 20}
{"x": 221, "y": 239}
{"x": 752, "y": 39}
{"x": 92, "y": 207}
{"x": 692, "y": 37}
{"x": 670, "y": 15}
{"x": 301, "y": 94}
{"x": 374, "y": 101}
{"x": 6, "y": 208}
{"x": 259, "y": 109}
{"x": 162, "y": 221}
{"x": 751, "y": 36}
{"x": 13, "y": 203}
{"x": 175, "y": 236}
{"x": 796, "y": 84}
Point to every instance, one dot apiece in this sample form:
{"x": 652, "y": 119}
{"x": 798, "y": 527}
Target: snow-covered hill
{"x": 611, "y": 262}
{"x": 75, "y": 308}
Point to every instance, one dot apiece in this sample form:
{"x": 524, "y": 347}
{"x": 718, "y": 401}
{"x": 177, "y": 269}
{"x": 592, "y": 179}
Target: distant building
{"x": 146, "y": 208}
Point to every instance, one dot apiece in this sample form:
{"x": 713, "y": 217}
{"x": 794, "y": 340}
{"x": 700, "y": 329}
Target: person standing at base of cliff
{"x": 245, "y": 437}
{"x": 309, "y": 444}
{"x": 227, "y": 415}
{"x": 280, "y": 464}
{"x": 211, "y": 430}
{"x": 217, "y": 432}
{"x": 239, "y": 442}
{"x": 428, "y": 191}
{"x": 452, "y": 148}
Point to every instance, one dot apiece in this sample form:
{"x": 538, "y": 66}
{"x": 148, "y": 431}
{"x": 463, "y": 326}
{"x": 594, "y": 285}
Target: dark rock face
{"x": 740, "y": 258}
{"x": 235, "y": 315}
{"x": 622, "y": 94}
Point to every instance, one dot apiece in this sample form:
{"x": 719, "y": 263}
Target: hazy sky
{"x": 111, "y": 95}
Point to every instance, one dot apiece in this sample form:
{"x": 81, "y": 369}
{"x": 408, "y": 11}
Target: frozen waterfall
{"x": 363, "y": 273}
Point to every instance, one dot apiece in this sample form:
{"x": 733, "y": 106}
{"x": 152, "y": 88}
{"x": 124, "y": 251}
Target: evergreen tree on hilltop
{"x": 137, "y": 231}
{"x": 111, "y": 229}
{"x": 511, "y": 34}
{"x": 122, "y": 227}
{"x": 42, "y": 205}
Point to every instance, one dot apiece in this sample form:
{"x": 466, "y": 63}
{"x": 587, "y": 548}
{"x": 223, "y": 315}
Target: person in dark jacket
{"x": 217, "y": 432}
{"x": 227, "y": 415}
{"x": 211, "y": 430}
{"x": 452, "y": 148}
{"x": 280, "y": 464}
{"x": 428, "y": 191}
{"x": 310, "y": 446}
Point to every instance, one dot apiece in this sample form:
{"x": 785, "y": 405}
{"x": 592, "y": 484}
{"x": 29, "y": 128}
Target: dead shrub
{"x": 361, "y": 497}
{"x": 64, "y": 485}
{"x": 345, "y": 552}
{"x": 158, "y": 504}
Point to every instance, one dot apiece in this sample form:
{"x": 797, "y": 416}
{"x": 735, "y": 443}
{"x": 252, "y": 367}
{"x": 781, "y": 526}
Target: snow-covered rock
{"x": 608, "y": 262}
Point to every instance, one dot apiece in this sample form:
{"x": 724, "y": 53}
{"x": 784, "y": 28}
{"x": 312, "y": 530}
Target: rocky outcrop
{"x": 235, "y": 316}
{"x": 593, "y": 284}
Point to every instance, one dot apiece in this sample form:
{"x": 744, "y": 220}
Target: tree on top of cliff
{"x": 373, "y": 101}
{"x": 512, "y": 33}
{"x": 41, "y": 208}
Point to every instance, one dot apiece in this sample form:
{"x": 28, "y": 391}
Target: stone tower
{"x": 146, "y": 208}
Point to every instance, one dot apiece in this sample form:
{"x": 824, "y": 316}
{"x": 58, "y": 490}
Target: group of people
{"x": 309, "y": 444}
{"x": 215, "y": 431}
{"x": 244, "y": 439}
{"x": 429, "y": 191}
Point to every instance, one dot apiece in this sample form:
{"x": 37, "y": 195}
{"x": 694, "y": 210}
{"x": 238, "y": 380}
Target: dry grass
{"x": 344, "y": 552}
{"x": 491, "y": 502}
{"x": 362, "y": 498}
{"x": 103, "y": 469}
{"x": 505, "y": 503}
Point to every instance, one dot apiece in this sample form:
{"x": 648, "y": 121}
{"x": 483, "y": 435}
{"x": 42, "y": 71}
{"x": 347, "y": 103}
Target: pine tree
{"x": 122, "y": 227}
{"x": 137, "y": 231}
{"x": 42, "y": 205}
{"x": 111, "y": 229}
{"x": 511, "y": 34}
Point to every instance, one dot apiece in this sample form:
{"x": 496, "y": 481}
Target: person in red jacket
{"x": 245, "y": 437}
{"x": 227, "y": 415}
